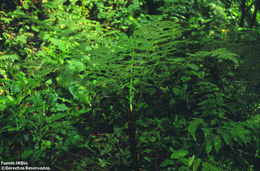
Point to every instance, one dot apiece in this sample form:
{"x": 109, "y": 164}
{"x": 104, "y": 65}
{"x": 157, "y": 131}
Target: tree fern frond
{"x": 9, "y": 58}
{"x": 219, "y": 54}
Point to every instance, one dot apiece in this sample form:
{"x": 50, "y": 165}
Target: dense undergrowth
{"x": 104, "y": 85}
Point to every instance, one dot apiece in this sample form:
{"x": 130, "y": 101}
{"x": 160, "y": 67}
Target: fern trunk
{"x": 132, "y": 140}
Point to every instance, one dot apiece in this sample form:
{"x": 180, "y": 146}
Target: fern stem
{"x": 132, "y": 120}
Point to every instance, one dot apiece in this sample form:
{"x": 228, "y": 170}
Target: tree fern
{"x": 125, "y": 66}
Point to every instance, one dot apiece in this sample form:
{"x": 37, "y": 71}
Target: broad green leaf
{"x": 166, "y": 163}
{"x": 46, "y": 144}
{"x": 185, "y": 161}
{"x": 193, "y": 127}
{"x": 217, "y": 143}
{"x": 196, "y": 164}
{"x": 208, "y": 146}
{"x": 147, "y": 159}
{"x": 27, "y": 153}
{"x": 191, "y": 160}
{"x": 48, "y": 82}
{"x": 179, "y": 154}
